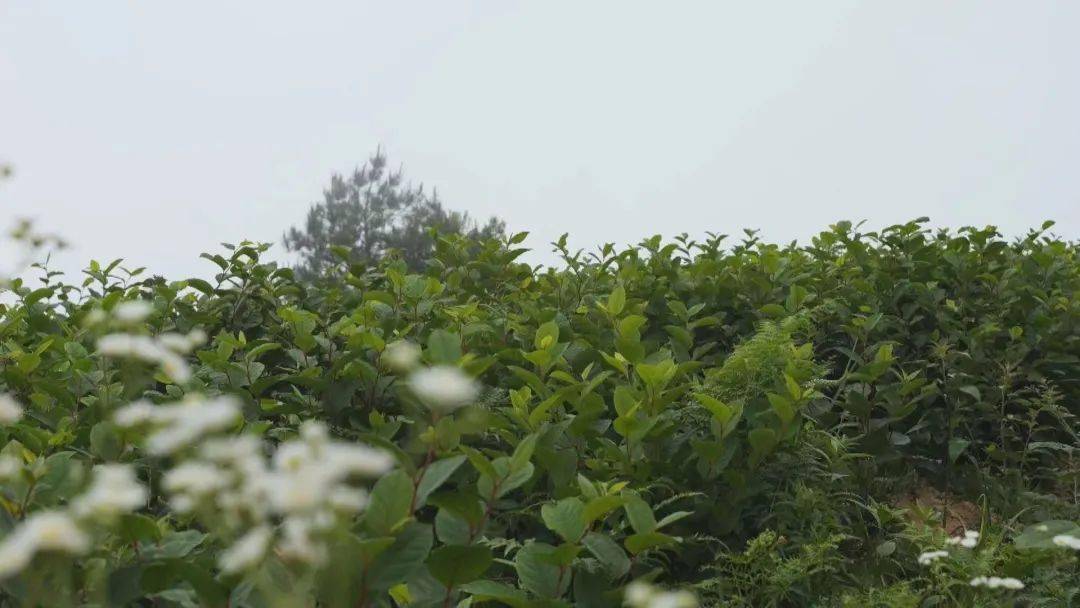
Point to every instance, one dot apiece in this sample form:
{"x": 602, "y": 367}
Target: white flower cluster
{"x": 1068, "y": 541}
{"x": 639, "y": 594}
{"x": 968, "y": 541}
{"x": 179, "y": 425}
{"x": 305, "y": 486}
{"x": 114, "y": 490}
{"x": 10, "y": 410}
{"x": 443, "y": 388}
{"x": 132, "y": 311}
{"x": 997, "y": 582}
{"x": 164, "y": 350}
{"x": 929, "y": 557}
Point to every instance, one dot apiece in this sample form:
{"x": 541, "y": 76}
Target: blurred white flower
{"x": 443, "y": 388}
{"x": 639, "y": 594}
{"x": 10, "y": 410}
{"x": 401, "y": 356}
{"x": 929, "y": 557}
{"x": 94, "y": 317}
{"x": 9, "y": 467}
{"x": 133, "y": 311}
{"x": 297, "y": 544}
{"x": 246, "y": 552}
{"x": 195, "y": 479}
{"x": 180, "y": 343}
{"x": 146, "y": 349}
{"x": 179, "y": 425}
{"x": 1068, "y": 541}
{"x": 175, "y": 367}
{"x": 348, "y": 500}
{"x": 114, "y": 490}
{"x": 135, "y": 414}
{"x": 42, "y": 531}
{"x": 232, "y": 450}
{"x": 995, "y": 582}
{"x": 191, "y": 420}
{"x": 346, "y": 459}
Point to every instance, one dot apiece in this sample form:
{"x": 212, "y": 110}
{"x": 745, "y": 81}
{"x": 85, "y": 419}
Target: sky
{"x": 153, "y": 131}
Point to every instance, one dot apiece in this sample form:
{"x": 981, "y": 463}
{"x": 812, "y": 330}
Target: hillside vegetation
{"x": 873, "y": 419}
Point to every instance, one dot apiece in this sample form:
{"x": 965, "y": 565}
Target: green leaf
{"x": 523, "y": 452}
{"x": 453, "y": 565}
{"x": 536, "y": 572}
{"x": 173, "y": 546}
{"x": 1041, "y": 535}
{"x": 763, "y": 442}
{"x": 639, "y": 543}
{"x": 389, "y": 505}
{"x": 783, "y": 408}
{"x": 403, "y": 559}
{"x": 956, "y": 448}
{"x": 971, "y": 391}
{"x": 435, "y": 474}
{"x": 565, "y": 518}
{"x": 640, "y": 514}
{"x": 444, "y": 347}
{"x": 547, "y": 335}
{"x": 504, "y": 480}
{"x": 500, "y": 592}
{"x": 616, "y": 301}
{"x": 136, "y": 528}
{"x": 601, "y": 506}
{"x": 105, "y": 441}
{"x": 610, "y": 554}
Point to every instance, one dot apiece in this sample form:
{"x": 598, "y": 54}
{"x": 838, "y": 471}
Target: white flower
{"x": 175, "y": 367}
{"x": 297, "y": 492}
{"x": 114, "y": 490}
{"x": 187, "y": 422}
{"x": 147, "y": 349}
{"x": 967, "y": 541}
{"x": 349, "y": 500}
{"x": 42, "y": 531}
{"x": 10, "y": 410}
{"x": 297, "y": 544}
{"x": 929, "y": 557}
{"x": 94, "y": 317}
{"x": 116, "y": 345}
{"x": 133, "y": 311}
{"x": 1068, "y": 541}
{"x": 196, "y": 337}
{"x": 9, "y": 467}
{"x": 292, "y": 456}
{"x": 401, "y": 356}
{"x": 643, "y": 595}
{"x": 233, "y": 450}
{"x": 195, "y": 479}
{"x": 346, "y": 459}
{"x": 135, "y": 413}
{"x": 995, "y": 582}
{"x": 246, "y": 552}
{"x": 637, "y": 593}
{"x": 443, "y": 388}
{"x": 179, "y": 343}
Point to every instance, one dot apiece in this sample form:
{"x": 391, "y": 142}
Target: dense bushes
{"x": 762, "y": 425}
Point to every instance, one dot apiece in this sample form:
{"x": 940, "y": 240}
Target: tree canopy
{"x": 374, "y": 212}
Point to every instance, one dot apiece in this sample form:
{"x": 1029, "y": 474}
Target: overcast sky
{"x": 154, "y": 130}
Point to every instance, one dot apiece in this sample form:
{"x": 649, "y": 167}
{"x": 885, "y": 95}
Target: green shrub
{"x": 739, "y": 421}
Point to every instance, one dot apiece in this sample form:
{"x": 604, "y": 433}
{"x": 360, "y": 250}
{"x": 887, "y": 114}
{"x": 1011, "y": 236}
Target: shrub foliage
{"x": 761, "y": 425}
